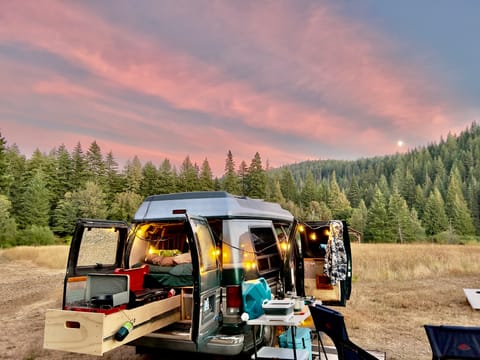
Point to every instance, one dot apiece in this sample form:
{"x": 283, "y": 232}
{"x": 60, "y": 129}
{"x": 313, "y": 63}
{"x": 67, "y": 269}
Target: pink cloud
{"x": 354, "y": 68}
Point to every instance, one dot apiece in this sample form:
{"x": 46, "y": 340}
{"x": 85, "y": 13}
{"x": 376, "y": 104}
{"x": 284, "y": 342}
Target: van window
{"x": 98, "y": 246}
{"x": 207, "y": 248}
{"x": 266, "y": 249}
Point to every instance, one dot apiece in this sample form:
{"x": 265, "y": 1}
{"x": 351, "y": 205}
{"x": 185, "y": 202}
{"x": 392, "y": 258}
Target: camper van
{"x": 185, "y": 274}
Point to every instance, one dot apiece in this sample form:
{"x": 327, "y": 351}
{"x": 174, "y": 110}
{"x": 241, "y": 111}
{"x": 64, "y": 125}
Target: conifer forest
{"x": 429, "y": 194}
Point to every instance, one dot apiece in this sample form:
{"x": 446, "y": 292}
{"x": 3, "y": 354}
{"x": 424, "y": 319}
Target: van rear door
{"x": 323, "y": 261}
{"x": 206, "y": 287}
{"x": 97, "y": 247}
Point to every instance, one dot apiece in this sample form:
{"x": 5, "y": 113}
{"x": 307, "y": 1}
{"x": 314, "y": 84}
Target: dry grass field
{"x": 396, "y": 290}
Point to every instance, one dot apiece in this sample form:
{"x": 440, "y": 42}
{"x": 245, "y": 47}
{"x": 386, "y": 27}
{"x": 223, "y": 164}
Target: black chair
{"x": 453, "y": 342}
{"x": 332, "y": 323}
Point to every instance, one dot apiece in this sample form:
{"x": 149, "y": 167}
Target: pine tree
{"x": 114, "y": 182}
{"x": 125, "y": 206}
{"x": 243, "y": 178}
{"x": 166, "y": 178}
{"x": 35, "y": 202}
{"x": 376, "y": 229}
{"x": 206, "y": 177}
{"x": 434, "y": 218}
{"x": 474, "y": 202}
{"x": 95, "y": 166}
{"x": 63, "y": 174}
{"x": 398, "y": 219}
{"x": 287, "y": 185}
{"x": 256, "y": 179}
{"x": 79, "y": 167}
{"x": 188, "y": 176}
{"x": 337, "y": 200}
{"x": 90, "y": 201}
{"x": 65, "y": 215}
{"x": 353, "y": 194}
{"x": 307, "y": 194}
{"x": 408, "y": 188}
{"x": 17, "y": 168}
{"x": 420, "y": 200}
{"x": 8, "y": 227}
{"x": 230, "y": 180}
{"x": 149, "y": 180}
{"x": 358, "y": 218}
{"x": 276, "y": 195}
{"x": 456, "y": 207}
{"x": 133, "y": 175}
{"x": 5, "y": 177}
{"x": 317, "y": 211}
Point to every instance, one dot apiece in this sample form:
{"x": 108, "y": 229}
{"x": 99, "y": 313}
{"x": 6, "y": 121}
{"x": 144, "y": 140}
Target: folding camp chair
{"x": 332, "y": 323}
{"x": 453, "y": 342}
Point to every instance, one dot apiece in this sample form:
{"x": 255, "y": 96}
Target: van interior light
{"x": 301, "y": 228}
{"x": 153, "y": 251}
{"x": 284, "y": 246}
{"x": 313, "y": 236}
{"x": 226, "y": 255}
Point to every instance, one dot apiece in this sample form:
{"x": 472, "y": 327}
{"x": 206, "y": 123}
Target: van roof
{"x": 209, "y": 204}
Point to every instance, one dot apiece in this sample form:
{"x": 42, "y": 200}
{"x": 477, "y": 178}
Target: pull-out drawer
{"x": 93, "y": 333}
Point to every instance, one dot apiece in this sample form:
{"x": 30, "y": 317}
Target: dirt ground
{"x": 387, "y": 317}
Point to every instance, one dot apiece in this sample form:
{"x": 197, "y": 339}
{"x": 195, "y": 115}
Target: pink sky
{"x": 293, "y": 81}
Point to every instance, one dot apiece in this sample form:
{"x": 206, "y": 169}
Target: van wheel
{"x": 269, "y": 335}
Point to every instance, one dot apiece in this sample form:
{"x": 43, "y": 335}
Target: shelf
{"x": 269, "y": 352}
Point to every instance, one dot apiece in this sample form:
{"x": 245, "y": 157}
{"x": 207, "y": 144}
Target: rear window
{"x": 206, "y": 244}
{"x": 266, "y": 249}
{"x": 98, "y": 246}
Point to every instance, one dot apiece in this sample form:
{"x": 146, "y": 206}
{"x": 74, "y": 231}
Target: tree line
{"x": 431, "y": 193}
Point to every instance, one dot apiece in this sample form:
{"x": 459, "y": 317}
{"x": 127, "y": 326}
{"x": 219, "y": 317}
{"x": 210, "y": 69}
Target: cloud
{"x": 290, "y": 80}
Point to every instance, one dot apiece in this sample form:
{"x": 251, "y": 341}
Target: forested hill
{"x": 431, "y": 193}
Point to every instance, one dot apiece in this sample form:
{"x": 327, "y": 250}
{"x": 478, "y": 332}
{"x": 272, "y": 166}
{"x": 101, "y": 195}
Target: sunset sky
{"x": 292, "y": 80}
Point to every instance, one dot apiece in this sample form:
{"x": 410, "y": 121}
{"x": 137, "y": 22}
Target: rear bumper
{"x": 229, "y": 345}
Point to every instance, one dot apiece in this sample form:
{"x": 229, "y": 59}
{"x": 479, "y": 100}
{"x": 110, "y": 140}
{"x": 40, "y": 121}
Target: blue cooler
{"x": 303, "y": 340}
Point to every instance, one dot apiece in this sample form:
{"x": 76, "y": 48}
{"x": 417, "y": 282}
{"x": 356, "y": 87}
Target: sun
{"x": 400, "y": 143}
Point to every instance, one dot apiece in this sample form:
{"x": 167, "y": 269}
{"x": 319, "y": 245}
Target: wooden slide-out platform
{"x": 93, "y": 333}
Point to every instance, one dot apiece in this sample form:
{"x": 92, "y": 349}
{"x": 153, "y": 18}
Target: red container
{"x": 136, "y": 276}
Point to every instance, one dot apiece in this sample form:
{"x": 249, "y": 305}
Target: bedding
{"x": 168, "y": 258}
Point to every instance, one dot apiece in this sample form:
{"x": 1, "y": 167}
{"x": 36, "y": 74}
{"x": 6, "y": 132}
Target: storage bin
{"x": 278, "y": 309}
{"x": 303, "y": 340}
{"x": 136, "y": 275}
